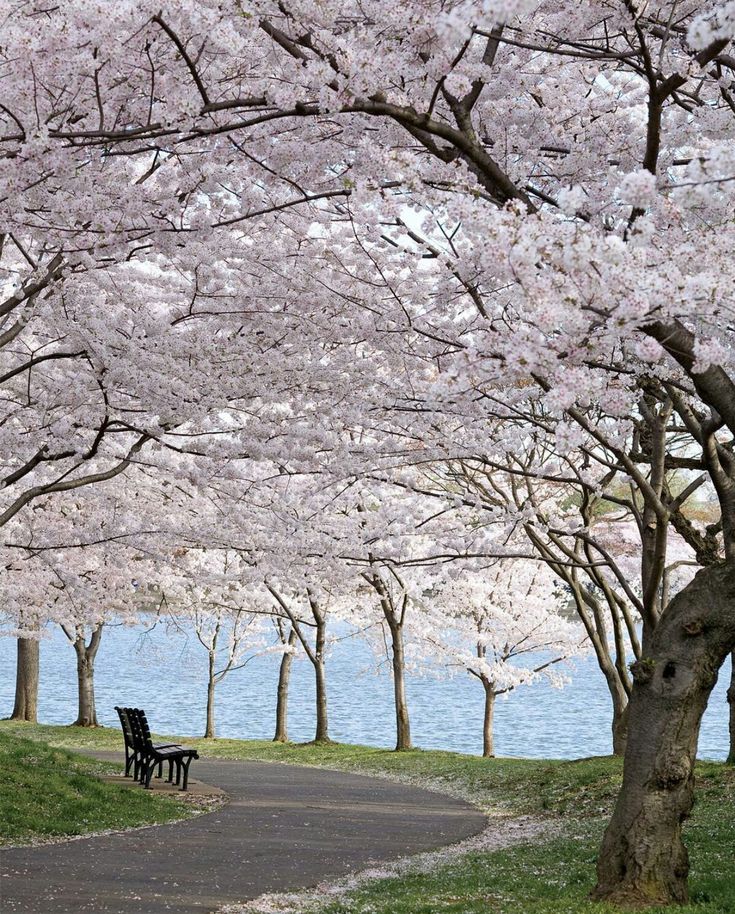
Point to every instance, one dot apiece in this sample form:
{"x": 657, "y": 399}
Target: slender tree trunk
{"x": 488, "y": 746}
{"x": 86, "y": 654}
{"x": 731, "y": 700}
{"x": 26, "y": 680}
{"x": 284, "y": 676}
{"x": 209, "y": 729}
{"x": 403, "y": 723}
{"x": 643, "y": 859}
{"x": 595, "y": 621}
{"x": 619, "y": 698}
{"x": 619, "y": 721}
{"x": 616, "y": 676}
{"x": 322, "y": 718}
{"x": 394, "y": 613}
{"x": 316, "y": 655}
{"x": 87, "y": 713}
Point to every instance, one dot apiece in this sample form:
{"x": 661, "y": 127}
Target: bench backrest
{"x": 141, "y": 730}
{"x": 129, "y": 737}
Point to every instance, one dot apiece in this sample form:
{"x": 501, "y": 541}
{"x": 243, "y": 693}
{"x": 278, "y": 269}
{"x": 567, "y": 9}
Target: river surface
{"x": 165, "y": 674}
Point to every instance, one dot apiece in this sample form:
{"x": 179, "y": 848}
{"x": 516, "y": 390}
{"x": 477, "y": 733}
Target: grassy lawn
{"x": 551, "y": 877}
{"x": 512, "y": 785}
{"x": 47, "y": 792}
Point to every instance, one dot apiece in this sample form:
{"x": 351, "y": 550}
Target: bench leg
{"x": 185, "y": 765}
{"x": 149, "y": 773}
{"x": 170, "y": 770}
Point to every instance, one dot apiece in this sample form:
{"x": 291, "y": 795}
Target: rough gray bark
{"x": 284, "y": 676}
{"x": 403, "y": 724}
{"x": 619, "y": 721}
{"x": 86, "y": 654}
{"x": 731, "y": 700}
{"x": 26, "y": 680}
{"x": 322, "y": 716}
{"x": 616, "y": 686}
{"x": 643, "y": 859}
{"x": 209, "y": 728}
{"x": 488, "y": 747}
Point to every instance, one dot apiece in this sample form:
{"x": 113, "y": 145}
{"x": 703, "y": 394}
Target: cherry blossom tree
{"x": 392, "y": 535}
{"x": 506, "y": 627}
{"x": 80, "y": 589}
{"x": 229, "y": 637}
{"x": 585, "y": 523}
{"x": 559, "y": 515}
{"x": 305, "y": 610}
{"x": 287, "y": 537}
{"x": 76, "y": 559}
{"x": 203, "y": 597}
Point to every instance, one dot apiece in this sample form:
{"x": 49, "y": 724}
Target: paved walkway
{"x": 286, "y": 827}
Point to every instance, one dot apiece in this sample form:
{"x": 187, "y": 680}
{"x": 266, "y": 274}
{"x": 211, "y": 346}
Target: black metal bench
{"x": 134, "y": 745}
{"x": 154, "y": 756}
{"x": 144, "y": 756}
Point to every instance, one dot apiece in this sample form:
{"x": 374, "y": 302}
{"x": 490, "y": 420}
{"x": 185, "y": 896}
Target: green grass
{"x": 513, "y": 785}
{"x": 551, "y": 877}
{"x": 554, "y": 877}
{"x": 47, "y": 792}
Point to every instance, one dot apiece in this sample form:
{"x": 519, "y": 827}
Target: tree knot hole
{"x": 672, "y": 773}
{"x": 693, "y": 627}
{"x": 669, "y": 670}
{"x": 643, "y": 669}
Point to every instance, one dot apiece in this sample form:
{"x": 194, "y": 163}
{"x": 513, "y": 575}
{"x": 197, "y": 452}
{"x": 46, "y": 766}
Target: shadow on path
{"x": 286, "y": 827}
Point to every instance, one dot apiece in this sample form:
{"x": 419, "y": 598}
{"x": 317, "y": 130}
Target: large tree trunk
{"x": 403, "y": 724}
{"x": 209, "y": 728}
{"x": 284, "y": 676}
{"x": 86, "y": 653}
{"x": 643, "y": 859}
{"x": 26, "y": 680}
{"x": 731, "y": 700}
{"x": 488, "y": 746}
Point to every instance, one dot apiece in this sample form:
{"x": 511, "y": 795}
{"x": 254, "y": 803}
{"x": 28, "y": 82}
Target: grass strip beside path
{"x": 49, "y": 793}
{"x": 515, "y": 786}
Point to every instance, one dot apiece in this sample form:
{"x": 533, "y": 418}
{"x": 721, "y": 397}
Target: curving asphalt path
{"x": 286, "y": 827}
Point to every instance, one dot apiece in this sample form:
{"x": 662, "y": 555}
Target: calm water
{"x": 166, "y": 675}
